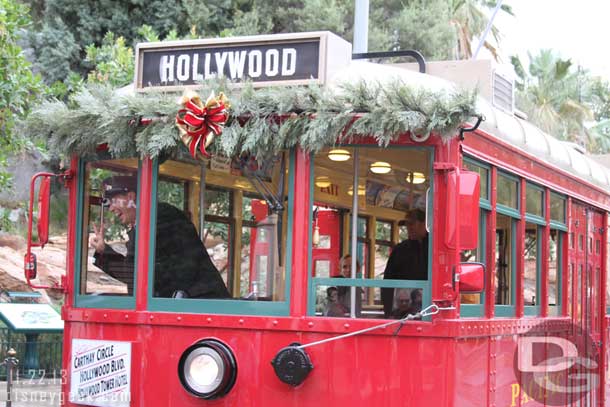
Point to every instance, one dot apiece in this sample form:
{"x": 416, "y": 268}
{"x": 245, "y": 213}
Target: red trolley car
{"x": 529, "y": 208}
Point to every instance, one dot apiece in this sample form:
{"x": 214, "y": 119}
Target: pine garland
{"x": 262, "y": 122}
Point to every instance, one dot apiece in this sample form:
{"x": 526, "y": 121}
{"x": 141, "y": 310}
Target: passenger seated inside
{"x": 345, "y": 271}
{"x": 334, "y": 308}
{"x": 407, "y": 302}
{"x": 183, "y": 267}
{"x": 409, "y": 259}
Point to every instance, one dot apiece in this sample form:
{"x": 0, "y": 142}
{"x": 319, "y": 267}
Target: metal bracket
{"x": 442, "y": 166}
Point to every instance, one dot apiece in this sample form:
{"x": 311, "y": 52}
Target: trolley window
{"x": 508, "y": 191}
{"x": 108, "y": 202}
{"x": 483, "y": 172}
{"x": 472, "y": 305}
{"x": 555, "y": 271}
{"x": 387, "y": 189}
{"x": 505, "y": 278}
{"x": 223, "y": 249}
{"x": 533, "y": 265}
{"x": 558, "y": 208}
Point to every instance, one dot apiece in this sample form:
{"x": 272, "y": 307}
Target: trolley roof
{"x": 503, "y": 126}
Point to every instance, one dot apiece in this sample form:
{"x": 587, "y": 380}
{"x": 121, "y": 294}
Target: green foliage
{"x": 565, "y": 102}
{"x": 19, "y": 87}
{"x": 70, "y": 26}
{"x": 113, "y": 62}
{"x": 56, "y": 51}
{"x": 424, "y": 27}
{"x": 313, "y": 117}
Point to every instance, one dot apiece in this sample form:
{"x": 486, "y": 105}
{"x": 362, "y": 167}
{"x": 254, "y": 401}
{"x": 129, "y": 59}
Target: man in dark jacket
{"x": 183, "y": 267}
{"x": 409, "y": 259}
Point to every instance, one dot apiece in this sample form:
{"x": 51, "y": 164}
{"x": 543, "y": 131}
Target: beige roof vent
{"x": 495, "y": 82}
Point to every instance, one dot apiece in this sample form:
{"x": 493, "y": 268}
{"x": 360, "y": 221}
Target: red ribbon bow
{"x": 199, "y": 124}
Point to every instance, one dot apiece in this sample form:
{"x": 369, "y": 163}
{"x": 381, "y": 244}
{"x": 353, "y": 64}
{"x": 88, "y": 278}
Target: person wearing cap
{"x": 183, "y": 267}
{"x": 409, "y": 259}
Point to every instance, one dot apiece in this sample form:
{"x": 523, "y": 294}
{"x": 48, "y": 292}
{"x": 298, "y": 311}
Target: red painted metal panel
{"x": 143, "y": 231}
{"x": 490, "y": 294}
{"x": 520, "y": 250}
{"x": 409, "y": 371}
{"x": 472, "y": 372}
{"x": 300, "y": 235}
{"x": 544, "y": 282}
{"x": 329, "y": 222}
{"x": 71, "y": 236}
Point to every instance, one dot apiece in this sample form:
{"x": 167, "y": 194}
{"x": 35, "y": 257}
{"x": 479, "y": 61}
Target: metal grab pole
{"x": 354, "y": 253}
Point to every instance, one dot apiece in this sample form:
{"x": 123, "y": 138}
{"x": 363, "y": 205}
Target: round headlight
{"x": 207, "y": 369}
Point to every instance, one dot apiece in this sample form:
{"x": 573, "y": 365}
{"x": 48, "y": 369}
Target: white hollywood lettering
{"x": 255, "y": 65}
{"x": 237, "y": 62}
{"x": 272, "y": 62}
{"x": 182, "y": 72}
{"x": 206, "y": 67}
{"x": 166, "y": 68}
{"x": 289, "y": 61}
{"x": 221, "y": 59}
{"x": 196, "y": 75}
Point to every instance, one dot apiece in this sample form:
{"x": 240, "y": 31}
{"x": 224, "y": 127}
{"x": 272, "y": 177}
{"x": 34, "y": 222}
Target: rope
{"x": 430, "y": 310}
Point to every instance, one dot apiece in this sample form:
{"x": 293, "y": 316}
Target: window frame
{"x": 224, "y": 306}
{"x": 558, "y": 307}
{"x": 501, "y": 310}
{"x": 425, "y": 286}
{"x": 478, "y": 310}
{"x": 504, "y": 209}
{"x": 126, "y": 302}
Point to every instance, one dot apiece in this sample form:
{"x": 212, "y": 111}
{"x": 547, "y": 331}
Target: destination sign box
{"x": 100, "y": 373}
{"x": 290, "y": 59}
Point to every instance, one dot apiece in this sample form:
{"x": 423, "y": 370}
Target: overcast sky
{"x": 578, "y": 29}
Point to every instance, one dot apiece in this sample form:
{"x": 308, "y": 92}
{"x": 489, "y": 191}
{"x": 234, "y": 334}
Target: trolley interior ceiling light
{"x": 323, "y": 181}
{"x": 361, "y": 190}
{"x": 416, "y": 178}
{"x": 380, "y": 167}
{"x": 338, "y": 154}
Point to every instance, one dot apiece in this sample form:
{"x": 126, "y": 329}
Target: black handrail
{"x": 391, "y": 54}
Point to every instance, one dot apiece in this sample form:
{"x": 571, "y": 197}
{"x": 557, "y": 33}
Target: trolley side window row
{"x": 522, "y": 217}
{"x": 218, "y": 232}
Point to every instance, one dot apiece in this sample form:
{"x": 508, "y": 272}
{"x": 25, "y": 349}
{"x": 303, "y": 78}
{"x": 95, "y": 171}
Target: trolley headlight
{"x": 207, "y": 369}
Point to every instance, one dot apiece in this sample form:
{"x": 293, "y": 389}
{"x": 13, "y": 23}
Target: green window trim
{"x": 216, "y": 306}
{"x": 501, "y": 310}
{"x": 533, "y": 187}
{"x": 558, "y": 307}
{"x": 314, "y": 282}
{"x": 505, "y": 210}
{"x": 478, "y": 310}
{"x": 558, "y": 226}
{"x": 91, "y": 300}
{"x": 535, "y": 219}
{"x": 486, "y": 167}
{"x": 558, "y": 196}
{"x": 367, "y": 283}
{"x": 511, "y": 178}
{"x": 535, "y": 309}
